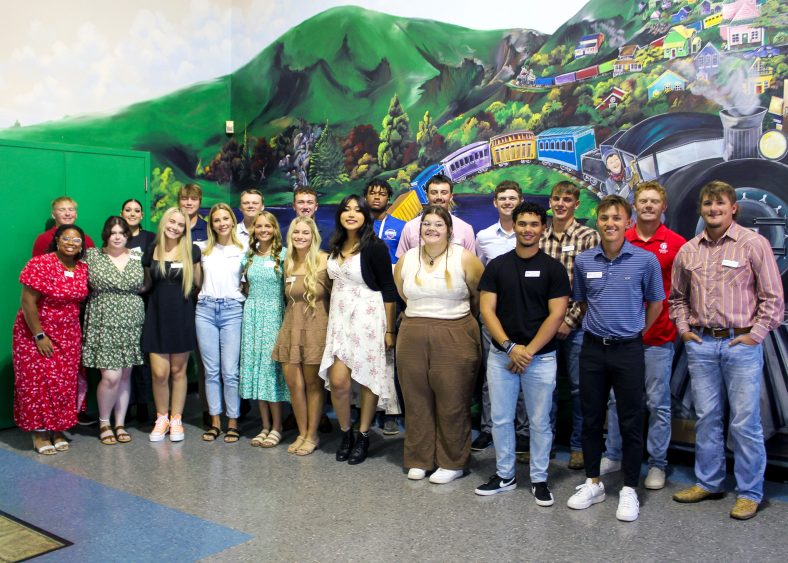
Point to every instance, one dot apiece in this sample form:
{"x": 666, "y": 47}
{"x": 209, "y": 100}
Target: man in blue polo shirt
{"x": 378, "y": 193}
{"x": 612, "y": 281}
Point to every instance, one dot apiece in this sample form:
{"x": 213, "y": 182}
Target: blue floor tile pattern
{"x": 104, "y": 524}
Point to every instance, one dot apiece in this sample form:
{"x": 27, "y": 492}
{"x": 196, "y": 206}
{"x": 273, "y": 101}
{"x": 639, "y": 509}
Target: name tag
{"x": 291, "y": 279}
{"x": 730, "y": 263}
{"x": 133, "y": 256}
{"x": 568, "y": 248}
{"x": 440, "y": 275}
{"x": 594, "y": 275}
{"x": 176, "y": 266}
{"x": 268, "y": 264}
{"x": 532, "y": 273}
{"x": 69, "y": 274}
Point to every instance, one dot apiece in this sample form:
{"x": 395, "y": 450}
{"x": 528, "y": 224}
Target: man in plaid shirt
{"x": 563, "y": 240}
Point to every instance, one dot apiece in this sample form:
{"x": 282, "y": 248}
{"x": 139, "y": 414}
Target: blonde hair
{"x": 212, "y": 238}
{"x": 312, "y": 259}
{"x": 445, "y": 216}
{"x": 276, "y": 243}
{"x": 184, "y": 254}
{"x": 63, "y": 199}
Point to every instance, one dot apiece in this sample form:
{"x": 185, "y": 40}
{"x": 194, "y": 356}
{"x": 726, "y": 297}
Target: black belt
{"x": 722, "y": 332}
{"x": 611, "y": 341}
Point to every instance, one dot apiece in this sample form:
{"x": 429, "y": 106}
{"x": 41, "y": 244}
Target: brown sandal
{"x": 231, "y": 436}
{"x": 107, "y": 439}
{"x": 211, "y": 434}
{"x": 121, "y": 435}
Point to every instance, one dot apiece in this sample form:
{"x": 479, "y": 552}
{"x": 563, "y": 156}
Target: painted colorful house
{"x": 589, "y": 44}
{"x": 740, "y": 29}
{"x": 760, "y": 77}
{"x": 681, "y": 41}
{"x": 668, "y": 81}
{"x": 655, "y": 15}
{"x": 612, "y": 99}
{"x": 667, "y": 4}
{"x": 707, "y": 62}
{"x": 680, "y": 16}
{"x": 705, "y": 8}
{"x": 626, "y": 60}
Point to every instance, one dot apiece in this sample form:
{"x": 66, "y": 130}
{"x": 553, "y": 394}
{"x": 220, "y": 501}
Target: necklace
{"x": 433, "y": 258}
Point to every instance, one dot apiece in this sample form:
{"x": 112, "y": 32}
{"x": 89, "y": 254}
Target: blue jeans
{"x": 485, "y": 425}
{"x": 659, "y": 364}
{"x": 569, "y": 351}
{"x": 537, "y": 384}
{"x": 218, "y": 323}
{"x": 720, "y": 373}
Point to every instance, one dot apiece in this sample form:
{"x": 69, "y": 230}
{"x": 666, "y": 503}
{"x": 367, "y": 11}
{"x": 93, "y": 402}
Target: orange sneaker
{"x": 160, "y": 429}
{"x": 176, "y": 429}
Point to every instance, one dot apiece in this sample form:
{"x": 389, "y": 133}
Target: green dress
{"x": 114, "y": 313}
{"x": 261, "y": 377}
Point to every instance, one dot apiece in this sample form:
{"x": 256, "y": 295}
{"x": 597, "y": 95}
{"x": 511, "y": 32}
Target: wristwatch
{"x": 39, "y": 336}
{"x": 508, "y": 346}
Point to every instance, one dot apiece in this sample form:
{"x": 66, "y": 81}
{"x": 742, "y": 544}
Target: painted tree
{"x": 361, "y": 140}
{"x": 393, "y": 136}
{"x": 164, "y": 191}
{"x": 327, "y": 162}
{"x": 425, "y": 135}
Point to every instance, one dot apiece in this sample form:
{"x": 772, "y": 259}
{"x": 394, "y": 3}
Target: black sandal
{"x": 232, "y": 435}
{"x": 211, "y": 434}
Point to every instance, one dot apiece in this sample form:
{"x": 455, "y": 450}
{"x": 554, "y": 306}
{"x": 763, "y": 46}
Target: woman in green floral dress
{"x": 261, "y": 377}
{"x": 113, "y": 324}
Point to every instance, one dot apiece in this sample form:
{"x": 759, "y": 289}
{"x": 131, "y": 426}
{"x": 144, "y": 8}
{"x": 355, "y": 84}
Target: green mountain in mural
{"x": 339, "y": 67}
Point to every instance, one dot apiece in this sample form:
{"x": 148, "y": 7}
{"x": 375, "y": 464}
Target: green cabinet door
{"x": 31, "y": 176}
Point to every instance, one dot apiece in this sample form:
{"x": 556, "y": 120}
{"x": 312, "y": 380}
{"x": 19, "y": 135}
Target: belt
{"x": 610, "y": 341}
{"x": 722, "y": 332}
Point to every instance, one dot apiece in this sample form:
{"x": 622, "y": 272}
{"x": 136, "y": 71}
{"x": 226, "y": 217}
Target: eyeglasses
{"x": 75, "y": 240}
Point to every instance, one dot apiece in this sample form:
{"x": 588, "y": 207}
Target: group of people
{"x": 277, "y": 319}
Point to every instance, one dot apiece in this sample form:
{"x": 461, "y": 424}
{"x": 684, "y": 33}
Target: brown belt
{"x": 722, "y": 332}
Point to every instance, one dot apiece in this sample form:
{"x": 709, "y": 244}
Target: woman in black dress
{"x": 168, "y": 335}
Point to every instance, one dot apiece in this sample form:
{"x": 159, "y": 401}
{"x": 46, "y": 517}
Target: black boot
{"x": 347, "y": 444}
{"x": 359, "y": 453}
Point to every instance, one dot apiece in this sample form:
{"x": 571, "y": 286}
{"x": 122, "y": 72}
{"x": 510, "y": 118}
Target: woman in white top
{"x": 438, "y": 348}
{"x": 218, "y": 318}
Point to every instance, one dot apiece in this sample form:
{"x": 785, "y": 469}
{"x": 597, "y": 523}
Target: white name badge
{"x": 568, "y": 248}
{"x": 133, "y": 256}
{"x": 69, "y": 274}
{"x": 176, "y": 266}
{"x": 730, "y": 263}
{"x": 291, "y": 279}
{"x": 532, "y": 273}
{"x": 439, "y": 275}
{"x": 594, "y": 275}
{"x": 268, "y": 264}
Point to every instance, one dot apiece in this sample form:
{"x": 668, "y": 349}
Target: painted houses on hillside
{"x": 739, "y": 27}
{"x": 614, "y": 98}
{"x": 680, "y": 16}
{"x": 626, "y": 61}
{"x": 589, "y": 44}
{"x": 707, "y": 62}
{"x": 680, "y": 42}
{"x": 668, "y": 81}
{"x": 760, "y": 77}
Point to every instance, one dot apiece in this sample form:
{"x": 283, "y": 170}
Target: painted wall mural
{"x": 678, "y": 91}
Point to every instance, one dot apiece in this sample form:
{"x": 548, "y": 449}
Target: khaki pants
{"x": 437, "y": 361}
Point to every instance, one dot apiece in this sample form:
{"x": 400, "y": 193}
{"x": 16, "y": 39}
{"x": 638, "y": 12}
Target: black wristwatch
{"x": 39, "y": 336}
{"x": 508, "y": 346}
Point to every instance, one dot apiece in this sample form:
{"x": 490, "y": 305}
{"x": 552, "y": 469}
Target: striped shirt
{"x": 731, "y": 283}
{"x": 565, "y": 247}
{"x": 616, "y": 289}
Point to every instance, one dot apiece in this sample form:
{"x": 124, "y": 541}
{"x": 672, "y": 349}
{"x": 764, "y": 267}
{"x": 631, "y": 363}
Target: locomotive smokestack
{"x": 742, "y": 129}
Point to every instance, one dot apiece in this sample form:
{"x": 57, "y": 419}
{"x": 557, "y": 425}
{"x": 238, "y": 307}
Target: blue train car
{"x": 421, "y": 180}
{"x": 544, "y": 81}
{"x": 470, "y": 159}
{"x": 565, "y": 146}
{"x": 697, "y": 26}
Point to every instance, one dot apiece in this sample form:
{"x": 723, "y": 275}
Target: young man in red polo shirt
{"x": 649, "y": 233}
{"x": 64, "y": 212}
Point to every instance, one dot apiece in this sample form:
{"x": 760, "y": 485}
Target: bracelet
{"x": 389, "y": 332}
{"x": 510, "y": 348}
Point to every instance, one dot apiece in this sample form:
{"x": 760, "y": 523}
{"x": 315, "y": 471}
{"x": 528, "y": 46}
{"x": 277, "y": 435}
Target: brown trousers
{"x": 437, "y": 361}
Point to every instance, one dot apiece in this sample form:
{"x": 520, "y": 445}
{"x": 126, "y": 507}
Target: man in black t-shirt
{"x": 524, "y": 295}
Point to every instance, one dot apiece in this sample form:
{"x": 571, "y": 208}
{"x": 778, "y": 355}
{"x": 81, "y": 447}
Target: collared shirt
{"x": 389, "y": 230}
{"x": 462, "y": 231}
{"x": 200, "y": 232}
{"x": 493, "y": 242}
{"x": 731, "y": 283}
{"x": 616, "y": 289}
{"x": 664, "y": 244}
{"x": 565, "y": 247}
{"x": 243, "y": 234}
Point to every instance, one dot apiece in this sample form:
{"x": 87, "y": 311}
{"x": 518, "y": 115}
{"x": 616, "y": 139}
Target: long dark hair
{"x": 366, "y": 233}
{"x": 112, "y": 222}
{"x": 59, "y": 232}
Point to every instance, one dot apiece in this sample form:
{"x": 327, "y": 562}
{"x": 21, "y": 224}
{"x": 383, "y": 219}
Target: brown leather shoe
{"x": 695, "y": 494}
{"x": 744, "y": 509}
{"x": 576, "y": 460}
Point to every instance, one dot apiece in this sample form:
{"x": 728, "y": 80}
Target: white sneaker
{"x": 587, "y": 494}
{"x": 443, "y": 476}
{"x": 160, "y": 429}
{"x": 655, "y": 479}
{"x": 416, "y": 474}
{"x": 609, "y": 466}
{"x": 628, "y": 505}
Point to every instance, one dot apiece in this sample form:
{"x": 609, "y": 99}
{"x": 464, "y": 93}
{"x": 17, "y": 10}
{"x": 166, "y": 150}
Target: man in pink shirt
{"x": 440, "y": 191}
{"x": 726, "y": 297}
